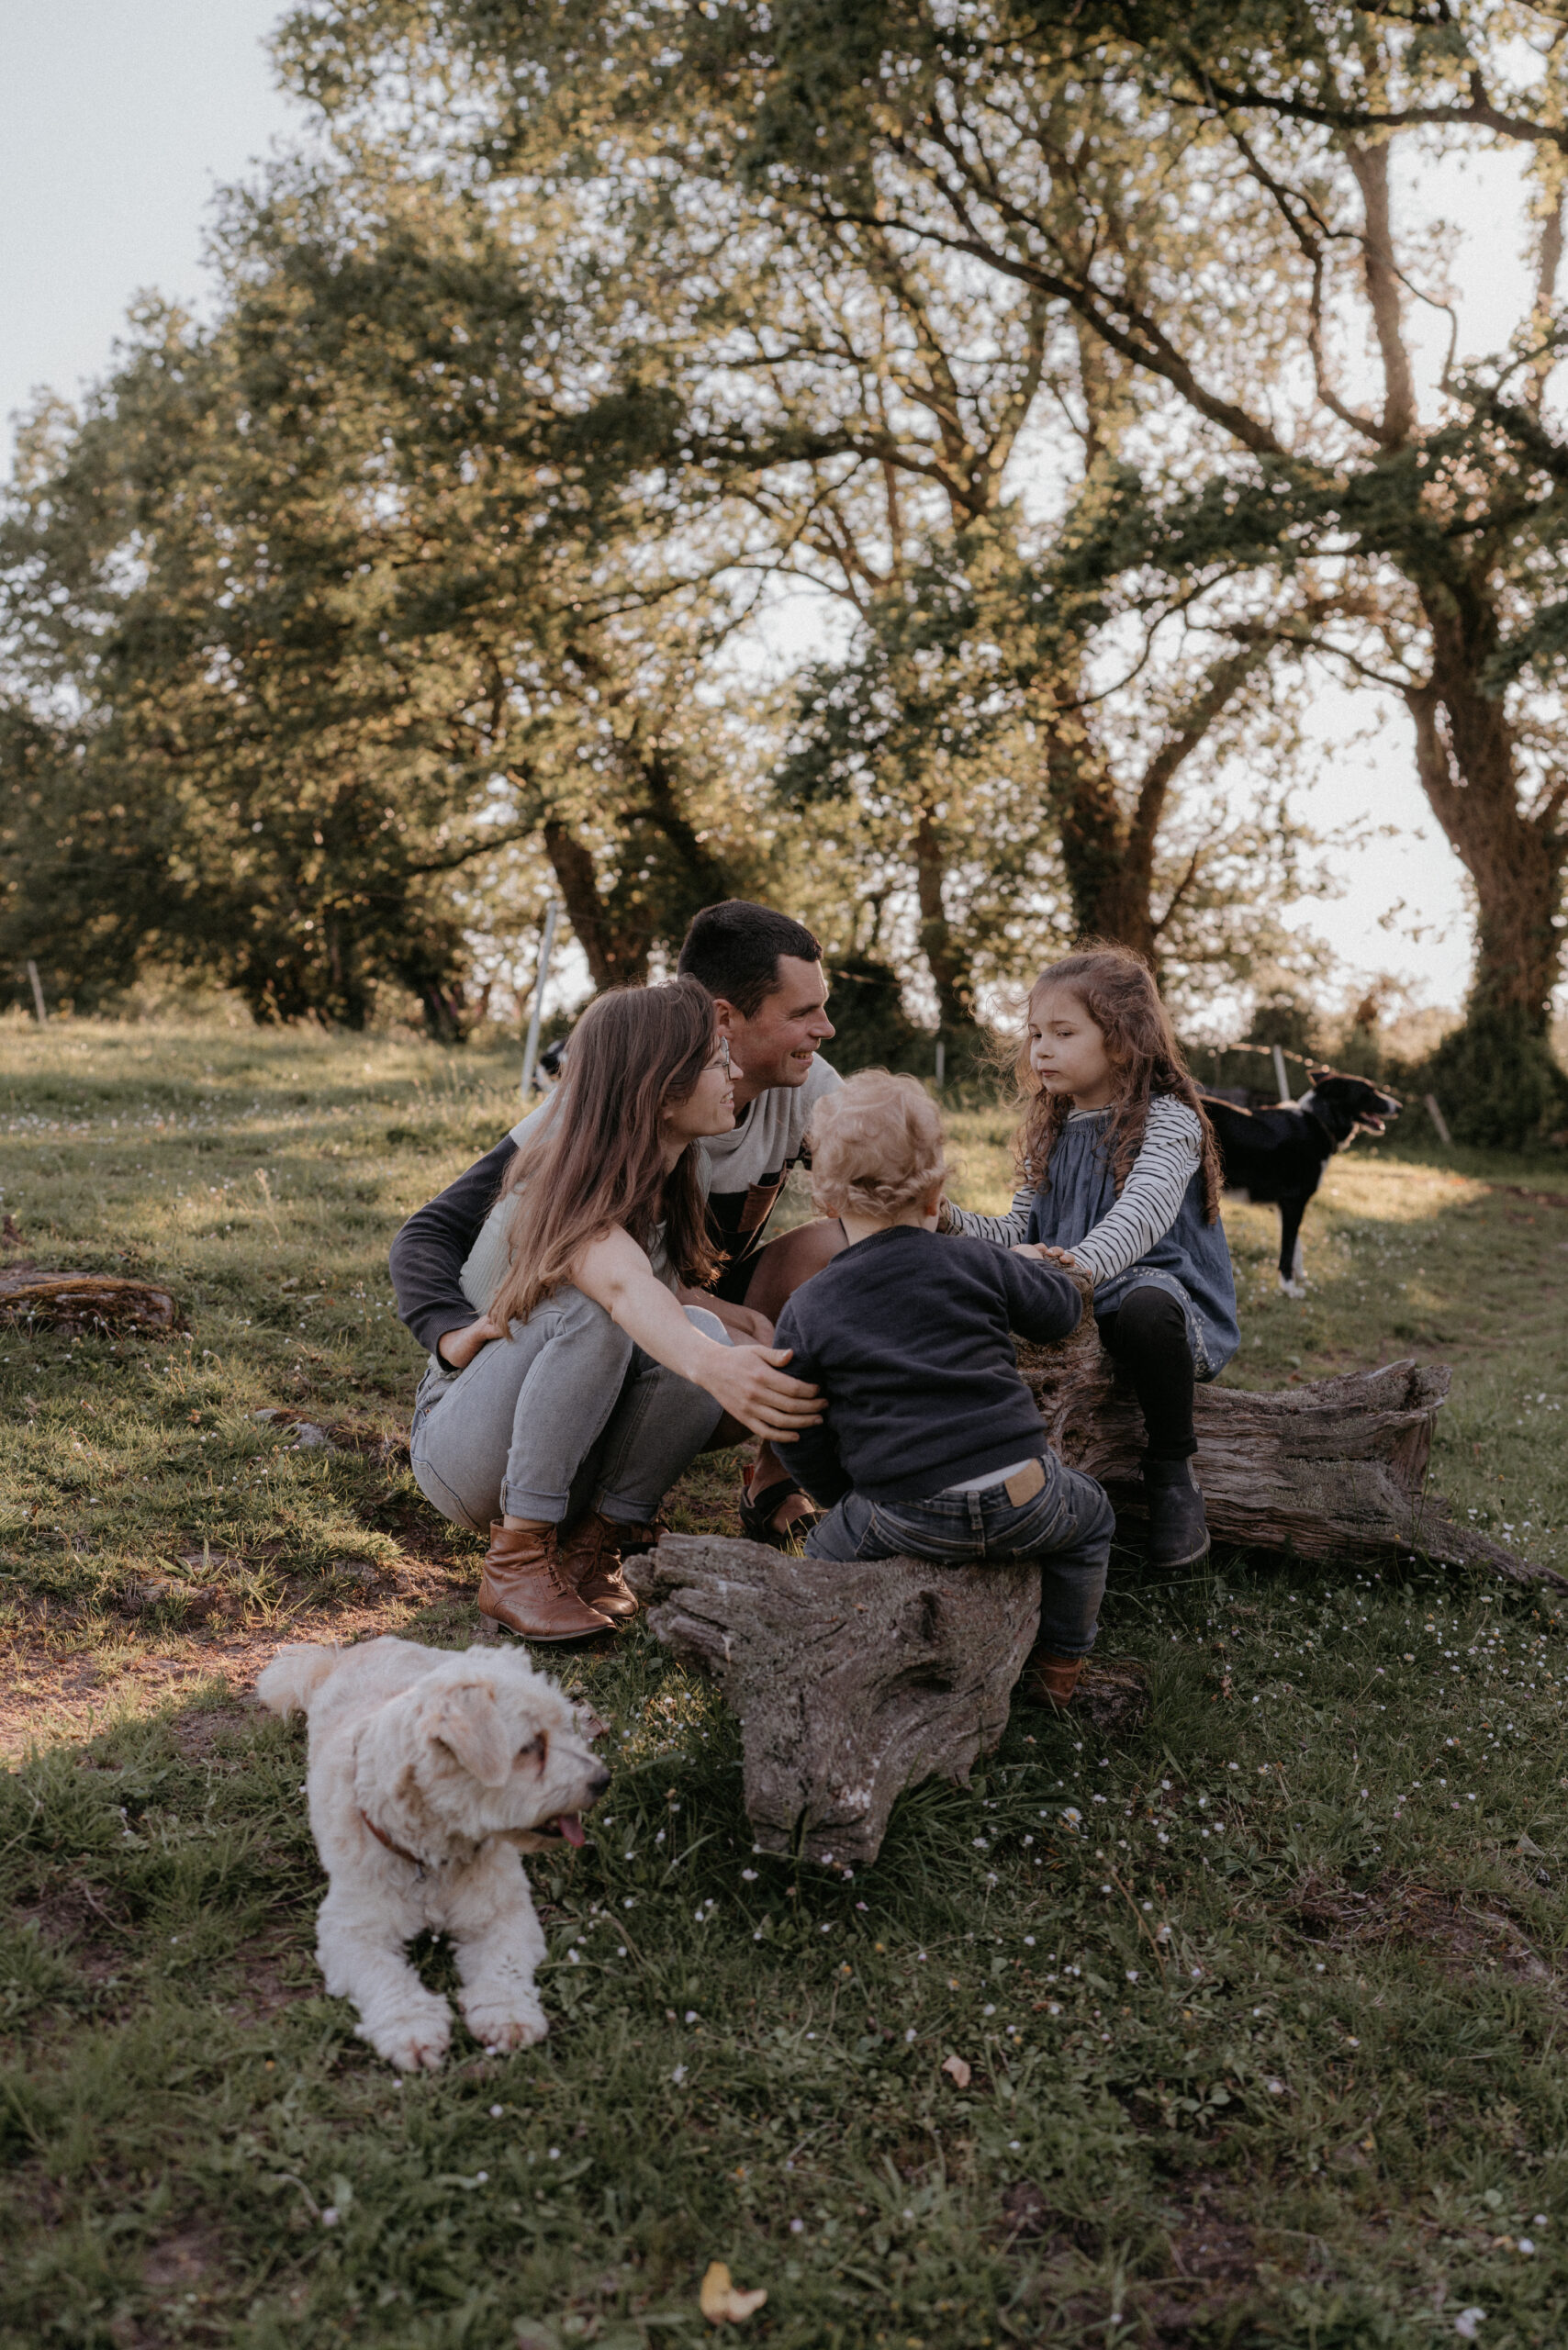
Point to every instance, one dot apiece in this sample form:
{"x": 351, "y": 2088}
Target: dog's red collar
{"x": 392, "y": 1844}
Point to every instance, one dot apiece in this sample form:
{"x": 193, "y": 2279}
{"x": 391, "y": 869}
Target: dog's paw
{"x": 1292, "y": 1289}
{"x": 414, "y": 2042}
{"x": 515, "y": 2023}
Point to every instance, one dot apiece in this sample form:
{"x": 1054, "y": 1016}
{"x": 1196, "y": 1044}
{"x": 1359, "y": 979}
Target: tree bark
{"x": 86, "y": 1301}
{"x": 1370, "y": 166}
{"x": 711, "y": 875}
{"x": 1467, "y": 762}
{"x": 946, "y": 957}
{"x": 1108, "y": 853}
{"x": 1333, "y": 1468}
{"x": 1110, "y": 892}
{"x": 616, "y": 957}
{"x": 850, "y": 1683}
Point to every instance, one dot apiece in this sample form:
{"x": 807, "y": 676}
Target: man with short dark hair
{"x": 764, "y": 972}
{"x": 765, "y": 975}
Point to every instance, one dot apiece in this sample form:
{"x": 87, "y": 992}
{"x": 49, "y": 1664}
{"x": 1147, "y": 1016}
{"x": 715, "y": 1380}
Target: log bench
{"x": 852, "y": 1683}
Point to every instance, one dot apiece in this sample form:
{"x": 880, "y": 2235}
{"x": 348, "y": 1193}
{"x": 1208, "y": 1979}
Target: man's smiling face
{"x": 777, "y": 1045}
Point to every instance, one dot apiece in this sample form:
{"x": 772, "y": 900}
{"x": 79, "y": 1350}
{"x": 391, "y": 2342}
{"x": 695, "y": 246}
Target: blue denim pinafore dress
{"x": 1192, "y": 1260}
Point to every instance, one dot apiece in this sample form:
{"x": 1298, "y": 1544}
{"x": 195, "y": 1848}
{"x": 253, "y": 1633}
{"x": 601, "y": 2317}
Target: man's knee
{"x": 790, "y": 1260}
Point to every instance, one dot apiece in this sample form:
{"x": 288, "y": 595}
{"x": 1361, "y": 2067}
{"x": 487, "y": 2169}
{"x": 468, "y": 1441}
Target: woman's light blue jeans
{"x": 563, "y": 1415}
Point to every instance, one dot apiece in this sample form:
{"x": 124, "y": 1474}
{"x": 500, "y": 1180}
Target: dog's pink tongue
{"x": 571, "y": 1828}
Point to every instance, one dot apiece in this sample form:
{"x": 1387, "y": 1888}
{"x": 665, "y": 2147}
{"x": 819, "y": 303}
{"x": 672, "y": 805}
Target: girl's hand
{"x": 750, "y": 1384}
{"x": 1038, "y": 1249}
{"x": 457, "y": 1348}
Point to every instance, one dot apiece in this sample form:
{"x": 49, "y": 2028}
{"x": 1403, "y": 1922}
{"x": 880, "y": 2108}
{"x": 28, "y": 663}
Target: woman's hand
{"x": 750, "y": 1383}
{"x": 746, "y": 1380}
{"x": 1043, "y": 1254}
{"x": 457, "y": 1348}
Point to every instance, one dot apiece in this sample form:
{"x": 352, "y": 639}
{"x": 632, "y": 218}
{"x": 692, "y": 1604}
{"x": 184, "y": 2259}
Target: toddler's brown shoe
{"x": 1048, "y": 1680}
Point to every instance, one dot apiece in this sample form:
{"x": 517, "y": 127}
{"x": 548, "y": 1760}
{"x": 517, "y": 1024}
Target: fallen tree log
{"x": 86, "y": 1301}
{"x": 1333, "y": 1468}
{"x": 850, "y": 1683}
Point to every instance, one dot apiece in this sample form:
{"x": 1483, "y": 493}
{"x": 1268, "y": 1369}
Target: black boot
{"x": 1177, "y": 1531}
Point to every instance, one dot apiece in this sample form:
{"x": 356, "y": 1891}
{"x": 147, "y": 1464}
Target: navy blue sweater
{"x": 909, "y": 1338}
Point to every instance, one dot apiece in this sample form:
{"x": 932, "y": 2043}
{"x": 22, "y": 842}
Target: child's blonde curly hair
{"x": 876, "y": 1147}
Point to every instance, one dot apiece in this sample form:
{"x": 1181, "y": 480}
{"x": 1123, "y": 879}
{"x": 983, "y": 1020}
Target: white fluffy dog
{"x": 430, "y": 1772}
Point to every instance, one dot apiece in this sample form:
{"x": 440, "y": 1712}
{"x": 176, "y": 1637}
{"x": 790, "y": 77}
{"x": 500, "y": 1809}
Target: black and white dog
{"x": 1276, "y": 1157}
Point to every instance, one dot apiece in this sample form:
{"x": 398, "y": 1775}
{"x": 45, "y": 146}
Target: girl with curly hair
{"x": 1121, "y": 1179}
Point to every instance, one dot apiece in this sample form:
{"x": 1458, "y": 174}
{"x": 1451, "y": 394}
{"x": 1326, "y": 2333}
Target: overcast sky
{"x": 117, "y": 119}
{"x": 120, "y": 117}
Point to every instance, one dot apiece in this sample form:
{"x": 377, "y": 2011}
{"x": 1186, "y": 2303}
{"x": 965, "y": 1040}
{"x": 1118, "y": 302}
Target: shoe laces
{"x": 563, "y": 1582}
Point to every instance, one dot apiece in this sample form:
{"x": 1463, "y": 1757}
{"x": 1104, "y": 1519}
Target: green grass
{"x": 1262, "y": 2000}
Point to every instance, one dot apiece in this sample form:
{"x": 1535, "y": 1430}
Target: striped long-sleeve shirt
{"x": 1172, "y": 1150}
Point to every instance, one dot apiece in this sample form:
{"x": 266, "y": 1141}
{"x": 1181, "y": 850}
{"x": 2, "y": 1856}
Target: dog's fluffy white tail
{"x": 292, "y": 1679}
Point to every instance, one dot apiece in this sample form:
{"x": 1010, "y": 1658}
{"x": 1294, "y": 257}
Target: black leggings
{"x": 1148, "y": 1336}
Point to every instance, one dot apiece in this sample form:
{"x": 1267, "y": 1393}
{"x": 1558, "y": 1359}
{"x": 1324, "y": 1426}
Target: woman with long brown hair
{"x": 585, "y": 1387}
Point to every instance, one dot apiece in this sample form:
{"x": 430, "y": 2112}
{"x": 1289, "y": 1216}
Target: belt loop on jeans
{"x": 976, "y": 1519}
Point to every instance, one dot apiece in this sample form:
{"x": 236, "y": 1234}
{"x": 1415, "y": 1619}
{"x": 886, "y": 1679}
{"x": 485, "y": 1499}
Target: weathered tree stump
{"x": 850, "y": 1683}
{"x": 1335, "y": 1468}
{"x": 85, "y": 1301}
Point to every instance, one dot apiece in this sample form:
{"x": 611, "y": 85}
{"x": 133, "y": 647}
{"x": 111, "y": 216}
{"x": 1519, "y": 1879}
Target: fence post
{"x": 1280, "y": 1079}
{"x": 1438, "y": 1121}
{"x": 38, "y": 993}
{"x": 941, "y": 1063}
{"x": 541, "y": 976}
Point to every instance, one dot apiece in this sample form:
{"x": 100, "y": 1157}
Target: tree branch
{"x": 1141, "y": 340}
{"x": 1481, "y": 113}
{"x": 1370, "y": 166}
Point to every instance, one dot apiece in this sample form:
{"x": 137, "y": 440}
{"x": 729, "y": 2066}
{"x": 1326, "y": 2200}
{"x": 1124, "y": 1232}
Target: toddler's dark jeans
{"x": 1148, "y": 1336}
{"x": 1067, "y": 1526}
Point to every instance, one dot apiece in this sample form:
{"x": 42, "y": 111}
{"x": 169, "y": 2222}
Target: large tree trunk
{"x": 1502, "y": 1082}
{"x": 947, "y": 957}
{"x": 1108, "y": 881}
{"x": 1469, "y": 770}
{"x": 711, "y": 878}
{"x": 1109, "y": 855}
{"x": 1334, "y": 1469}
{"x": 615, "y": 957}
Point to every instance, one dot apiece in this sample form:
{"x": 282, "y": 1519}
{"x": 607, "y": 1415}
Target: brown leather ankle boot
{"x": 523, "y": 1588}
{"x": 1050, "y": 1680}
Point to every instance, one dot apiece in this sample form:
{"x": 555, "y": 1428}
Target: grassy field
{"x": 1261, "y": 2001}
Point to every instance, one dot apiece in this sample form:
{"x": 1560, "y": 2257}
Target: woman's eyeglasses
{"x": 720, "y": 1058}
